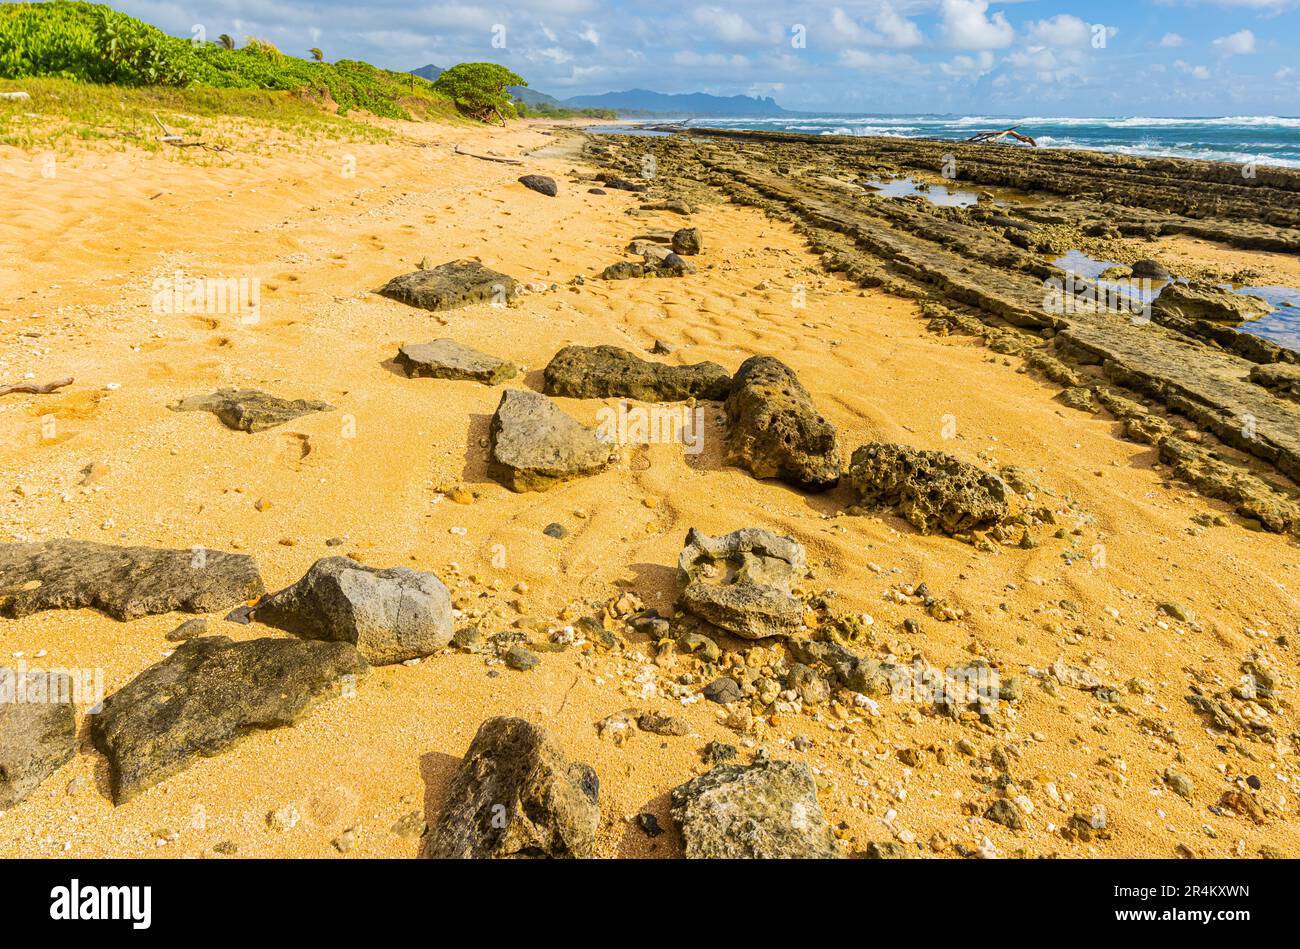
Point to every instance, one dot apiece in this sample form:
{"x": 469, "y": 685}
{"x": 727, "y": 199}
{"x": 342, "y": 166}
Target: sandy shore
{"x": 321, "y": 228}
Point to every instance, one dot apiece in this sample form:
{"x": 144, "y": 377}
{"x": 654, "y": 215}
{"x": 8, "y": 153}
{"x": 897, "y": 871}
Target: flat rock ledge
{"x": 515, "y": 795}
{"x": 931, "y": 490}
{"x": 448, "y": 359}
{"x": 603, "y": 372}
{"x": 767, "y": 810}
{"x": 206, "y": 696}
{"x": 124, "y": 582}
{"x": 250, "y": 410}
{"x": 534, "y": 446}
{"x": 741, "y": 582}
{"x": 37, "y": 730}
{"x": 451, "y": 285}
{"x": 390, "y": 615}
{"x": 776, "y": 430}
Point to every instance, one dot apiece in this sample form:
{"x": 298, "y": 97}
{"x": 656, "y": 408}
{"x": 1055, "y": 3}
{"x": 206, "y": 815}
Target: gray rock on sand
{"x": 208, "y": 694}
{"x": 533, "y": 445}
{"x": 776, "y": 431}
{"x": 390, "y": 615}
{"x": 602, "y": 372}
{"x": 541, "y": 184}
{"x": 124, "y": 582}
{"x": 37, "y": 730}
{"x": 624, "y": 270}
{"x": 687, "y": 241}
{"x": 250, "y": 410}
{"x": 932, "y": 490}
{"x": 1194, "y": 301}
{"x": 516, "y": 795}
{"x": 767, "y": 810}
{"x": 451, "y": 285}
{"x": 1150, "y": 270}
{"x": 448, "y": 359}
{"x": 742, "y": 581}
{"x": 675, "y": 205}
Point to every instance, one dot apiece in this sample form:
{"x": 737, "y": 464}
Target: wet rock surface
{"x": 1200, "y": 302}
{"x": 776, "y": 431}
{"x": 250, "y": 410}
{"x": 124, "y": 582}
{"x": 515, "y": 795}
{"x": 452, "y": 285}
{"x": 600, "y": 372}
{"x": 37, "y": 730}
{"x": 534, "y": 445}
{"x": 390, "y": 615}
{"x": 767, "y": 810}
{"x": 205, "y": 696}
{"x": 741, "y": 582}
{"x": 932, "y": 490}
{"x": 447, "y": 359}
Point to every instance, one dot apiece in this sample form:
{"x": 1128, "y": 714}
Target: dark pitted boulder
{"x": 250, "y": 410}
{"x": 37, "y": 730}
{"x": 776, "y": 431}
{"x": 603, "y": 372}
{"x": 452, "y": 285}
{"x": 741, "y": 582}
{"x": 1193, "y": 301}
{"x": 516, "y": 795}
{"x": 390, "y": 615}
{"x": 541, "y": 184}
{"x": 124, "y": 582}
{"x": 768, "y": 810}
{"x": 207, "y": 695}
{"x": 622, "y": 184}
{"x": 687, "y": 241}
{"x": 448, "y": 359}
{"x": 623, "y": 270}
{"x": 1150, "y": 270}
{"x": 932, "y": 490}
{"x": 534, "y": 446}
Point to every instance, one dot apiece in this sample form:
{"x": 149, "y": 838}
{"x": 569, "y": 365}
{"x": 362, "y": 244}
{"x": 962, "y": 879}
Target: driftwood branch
{"x": 504, "y": 161}
{"x": 985, "y": 138}
{"x": 35, "y": 388}
{"x": 179, "y": 140}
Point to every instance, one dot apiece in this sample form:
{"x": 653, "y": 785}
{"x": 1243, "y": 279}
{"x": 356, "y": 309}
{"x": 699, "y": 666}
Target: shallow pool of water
{"x": 1282, "y": 326}
{"x": 937, "y": 195}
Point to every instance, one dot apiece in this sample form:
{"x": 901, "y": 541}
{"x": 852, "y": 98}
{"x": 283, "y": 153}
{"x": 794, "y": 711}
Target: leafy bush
{"x": 93, "y": 43}
{"x": 480, "y": 89}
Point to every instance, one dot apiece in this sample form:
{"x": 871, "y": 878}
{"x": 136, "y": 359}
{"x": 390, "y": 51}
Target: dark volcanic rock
{"x": 534, "y": 446}
{"x": 124, "y": 582}
{"x": 37, "y": 730}
{"x": 930, "y": 489}
{"x": 516, "y": 795}
{"x": 250, "y": 410}
{"x": 602, "y": 372}
{"x": 1150, "y": 270}
{"x": 1203, "y": 302}
{"x": 674, "y": 265}
{"x": 622, "y": 184}
{"x": 448, "y": 359}
{"x": 687, "y": 241}
{"x": 451, "y": 285}
{"x": 541, "y": 184}
{"x": 205, "y": 696}
{"x": 741, "y": 582}
{"x": 760, "y": 811}
{"x": 776, "y": 431}
{"x": 389, "y": 615}
{"x": 623, "y": 270}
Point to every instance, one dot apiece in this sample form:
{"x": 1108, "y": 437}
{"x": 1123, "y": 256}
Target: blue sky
{"x": 1040, "y": 57}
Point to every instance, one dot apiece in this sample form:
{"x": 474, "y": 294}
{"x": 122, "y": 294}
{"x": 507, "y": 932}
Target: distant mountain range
{"x": 641, "y": 101}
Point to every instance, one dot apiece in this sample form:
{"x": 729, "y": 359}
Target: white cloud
{"x": 966, "y": 25}
{"x": 888, "y": 28}
{"x": 1196, "y": 72}
{"x": 729, "y": 27}
{"x": 969, "y": 67}
{"x": 1064, "y": 29}
{"x": 590, "y": 35}
{"x": 1236, "y": 44}
{"x": 879, "y": 62}
{"x": 1171, "y": 40}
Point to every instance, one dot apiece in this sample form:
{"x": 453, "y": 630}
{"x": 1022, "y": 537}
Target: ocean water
{"x": 1265, "y": 140}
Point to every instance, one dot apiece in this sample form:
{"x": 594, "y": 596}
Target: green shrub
{"x": 480, "y": 89}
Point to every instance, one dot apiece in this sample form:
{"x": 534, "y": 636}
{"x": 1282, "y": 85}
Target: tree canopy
{"x": 480, "y": 89}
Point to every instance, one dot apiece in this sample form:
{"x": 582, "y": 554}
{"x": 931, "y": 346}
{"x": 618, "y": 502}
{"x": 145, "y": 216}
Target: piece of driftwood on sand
{"x": 504, "y": 161}
{"x": 36, "y": 388}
